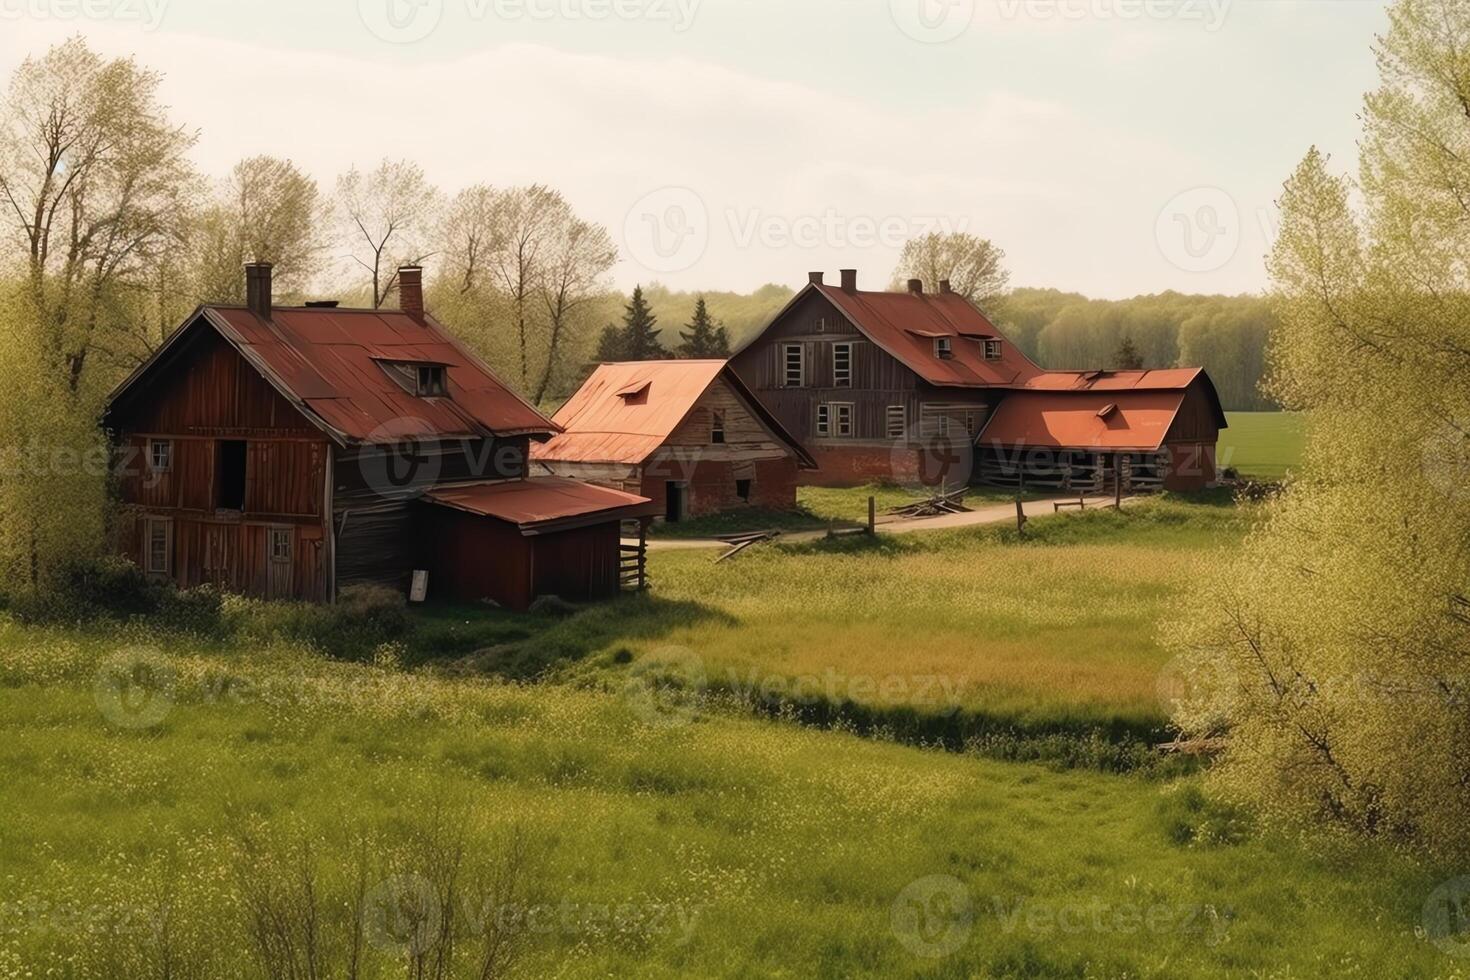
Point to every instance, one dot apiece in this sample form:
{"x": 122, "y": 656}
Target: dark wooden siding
{"x": 375, "y": 490}
{"x": 206, "y": 393}
{"x": 207, "y": 388}
{"x": 879, "y": 381}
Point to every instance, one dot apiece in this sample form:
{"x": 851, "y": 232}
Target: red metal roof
{"x": 905, "y": 325}
{"x": 1167, "y": 379}
{"x": 1138, "y": 420}
{"x": 326, "y": 362}
{"x": 544, "y": 503}
{"x": 625, "y": 411}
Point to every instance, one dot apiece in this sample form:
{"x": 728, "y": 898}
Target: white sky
{"x": 729, "y": 143}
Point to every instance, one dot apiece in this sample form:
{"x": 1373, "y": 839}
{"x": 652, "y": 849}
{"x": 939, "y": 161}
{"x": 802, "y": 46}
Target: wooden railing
{"x": 633, "y": 566}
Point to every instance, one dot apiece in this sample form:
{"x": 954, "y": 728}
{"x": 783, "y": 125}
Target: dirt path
{"x": 989, "y": 514}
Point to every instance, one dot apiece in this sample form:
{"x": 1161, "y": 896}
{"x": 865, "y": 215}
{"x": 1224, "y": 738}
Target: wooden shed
{"x": 687, "y": 434}
{"x": 288, "y": 452}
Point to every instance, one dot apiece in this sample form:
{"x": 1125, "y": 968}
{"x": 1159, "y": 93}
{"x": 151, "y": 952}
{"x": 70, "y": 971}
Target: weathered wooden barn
{"x": 686, "y": 433}
{"x": 900, "y": 386}
{"x": 288, "y": 452}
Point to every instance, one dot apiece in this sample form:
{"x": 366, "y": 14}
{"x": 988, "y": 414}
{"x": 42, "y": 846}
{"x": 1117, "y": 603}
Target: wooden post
{"x": 872, "y": 515}
{"x": 1020, "y": 510}
{"x": 1117, "y": 481}
{"x": 643, "y": 553}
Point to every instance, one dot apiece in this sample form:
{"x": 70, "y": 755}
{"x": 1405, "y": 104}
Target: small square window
{"x": 992, "y": 350}
{"x": 430, "y": 380}
{"x": 717, "y": 427}
{"x": 160, "y": 455}
{"x": 280, "y": 544}
{"x": 943, "y": 347}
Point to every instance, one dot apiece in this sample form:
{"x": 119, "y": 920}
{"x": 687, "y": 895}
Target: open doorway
{"x": 229, "y": 475}
{"x": 674, "y": 501}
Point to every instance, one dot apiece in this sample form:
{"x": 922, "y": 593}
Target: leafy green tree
{"x": 973, "y": 265}
{"x": 1126, "y": 357}
{"x": 704, "y": 338}
{"x": 1333, "y": 650}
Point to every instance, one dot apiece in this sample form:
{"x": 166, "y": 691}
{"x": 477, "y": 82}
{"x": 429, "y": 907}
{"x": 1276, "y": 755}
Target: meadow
{"x": 1262, "y": 445}
{"x": 264, "y": 812}
{"x": 1045, "y": 647}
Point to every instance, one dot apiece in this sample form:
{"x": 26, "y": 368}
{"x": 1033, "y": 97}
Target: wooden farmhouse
{"x": 686, "y": 433}
{"x": 289, "y": 452}
{"x": 921, "y": 387}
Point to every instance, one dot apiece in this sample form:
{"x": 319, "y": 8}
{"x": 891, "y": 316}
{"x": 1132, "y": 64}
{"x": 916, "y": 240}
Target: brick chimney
{"x": 815, "y": 278}
{"x": 849, "y": 280}
{"x": 916, "y": 286}
{"x": 944, "y": 287}
{"x": 411, "y": 291}
{"x": 258, "y": 289}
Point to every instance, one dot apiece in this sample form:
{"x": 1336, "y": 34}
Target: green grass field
{"x": 963, "y": 636}
{"x": 263, "y": 802}
{"x": 1263, "y": 445}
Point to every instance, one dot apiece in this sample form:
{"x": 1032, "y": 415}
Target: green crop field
{"x": 1263, "y": 445}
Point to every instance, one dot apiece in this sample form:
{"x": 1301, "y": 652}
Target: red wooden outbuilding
{"x": 288, "y": 452}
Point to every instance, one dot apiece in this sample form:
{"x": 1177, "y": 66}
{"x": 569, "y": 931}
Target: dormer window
{"x": 419, "y": 378}
{"x": 943, "y": 348}
{"x": 429, "y": 380}
{"x": 992, "y": 350}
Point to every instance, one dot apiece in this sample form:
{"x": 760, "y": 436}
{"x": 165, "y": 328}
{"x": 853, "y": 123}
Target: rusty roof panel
{"x": 1138, "y": 421}
{"x": 625, "y": 411}
{"x": 905, "y": 325}
{"x": 326, "y": 359}
{"x": 541, "y": 500}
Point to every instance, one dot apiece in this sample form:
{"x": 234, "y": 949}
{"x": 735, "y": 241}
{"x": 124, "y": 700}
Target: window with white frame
{"x": 824, "y": 420}
{"x": 280, "y": 544}
{"x": 842, "y": 419}
{"x": 158, "y": 544}
{"x": 794, "y": 361}
{"x": 160, "y": 455}
{"x": 992, "y": 350}
{"x": 943, "y": 347}
{"x": 842, "y": 365}
{"x": 897, "y": 421}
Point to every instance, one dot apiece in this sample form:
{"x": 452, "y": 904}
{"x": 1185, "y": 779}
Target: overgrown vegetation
{"x": 1332, "y": 649}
